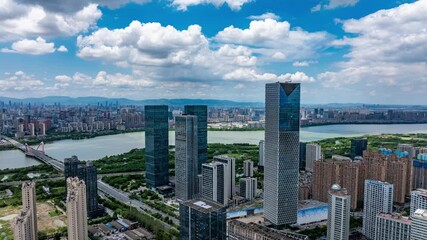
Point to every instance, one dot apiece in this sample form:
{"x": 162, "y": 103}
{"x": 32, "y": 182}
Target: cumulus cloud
{"x": 233, "y": 4}
{"x": 333, "y": 4}
{"x": 32, "y": 47}
{"x": 19, "y": 81}
{"x": 267, "y": 15}
{"x": 34, "y": 20}
{"x": 63, "y": 78}
{"x": 252, "y": 75}
{"x": 62, "y": 48}
{"x": 303, "y": 63}
{"x": 387, "y": 49}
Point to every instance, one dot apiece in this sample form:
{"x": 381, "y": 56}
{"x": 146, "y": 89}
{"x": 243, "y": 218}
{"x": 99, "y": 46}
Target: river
{"x": 95, "y": 148}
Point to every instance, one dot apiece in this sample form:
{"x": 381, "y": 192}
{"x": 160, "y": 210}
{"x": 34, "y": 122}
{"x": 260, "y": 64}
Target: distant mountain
{"x": 124, "y": 101}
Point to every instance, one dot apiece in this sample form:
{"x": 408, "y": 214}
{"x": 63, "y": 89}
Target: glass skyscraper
{"x": 87, "y": 173}
{"x": 282, "y": 116}
{"x": 156, "y": 145}
{"x": 201, "y": 111}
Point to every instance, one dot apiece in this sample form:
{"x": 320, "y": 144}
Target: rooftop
{"x": 421, "y": 213}
{"x": 395, "y": 217}
{"x": 203, "y": 205}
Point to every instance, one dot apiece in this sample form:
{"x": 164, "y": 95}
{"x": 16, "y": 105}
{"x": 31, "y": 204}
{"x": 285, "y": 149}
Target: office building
{"x": 261, "y": 148}
{"x": 419, "y": 225}
{"x": 338, "y": 213}
{"x": 29, "y": 203}
{"x": 357, "y": 147}
{"x": 201, "y": 112}
{"x": 281, "y": 165}
{"x": 302, "y": 155}
{"x": 202, "y": 219}
{"x": 230, "y": 173}
{"x": 71, "y": 167}
{"x": 418, "y": 200}
{"x": 23, "y": 226}
{"x": 392, "y": 226}
{"x": 156, "y": 145}
{"x": 248, "y": 187}
{"x": 409, "y": 148}
{"x": 76, "y": 209}
{"x": 214, "y": 182}
{"x": 87, "y": 173}
{"x": 313, "y": 153}
{"x": 420, "y": 171}
{"x": 248, "y": 168}
{"x": 378, "y": 198}
{"x": 186, "y": 160}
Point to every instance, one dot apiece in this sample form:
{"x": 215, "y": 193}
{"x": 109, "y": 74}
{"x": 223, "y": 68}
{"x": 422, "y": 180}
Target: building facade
{"x": 281, "y": 167}
{"x": 202, "y": 219}
{"x": 23, "y": 226}
{"x": 392, "y": 226}
{"x": 87, "y": 173}
{"x": 378, "y": 198}
{"x": 214, "y": 182}
{"x": 409, "y": 148}
{"x": 186, "y": 157}
{"x": 418, "y": 200}
{"x": 76, "y": 209}
{"x": 248, "y": 187}
{"x": 156, "y": 145}
{"x": 302, "y": 155}
{"x": 201, "y": 111}
{"x": 71, "y": 167}
{"x": 357, "y": 147}
{"x": 29, "y": 204}
{"x": 248, "y": 168}
{"x": 261, "y": 148}
{"x": 420, "y": 171}
{"x": 230, "y": 173}
{"x": 419, "y": 225}
{"x": 313, "y": 153}
{"x": 338, "y": 213}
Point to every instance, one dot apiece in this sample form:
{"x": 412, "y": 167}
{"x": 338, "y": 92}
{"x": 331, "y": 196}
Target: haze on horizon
{"x": 342, "y": 51}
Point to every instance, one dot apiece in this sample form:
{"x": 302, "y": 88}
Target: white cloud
{"x": 267, "y": 15}
{"x": 316, "y": 8}
{"x": 20, "y": 81}
{"x": 333, "y": 4}
{"x": 32, "y": 47}
{"x": 303, "y": 63}
{"x": 62, "y": 48}
{"x": 233, "y": 4}
{"x": 252, "y": 75}
{"x": 63, "y": 78}
{"x": 34, "y": 20}
{"x": 239, "y": 86}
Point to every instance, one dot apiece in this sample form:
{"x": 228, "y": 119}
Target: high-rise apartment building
{"x": 29, "y": 204}
{"x": 281, "y": 167}
{"x": 419, "y": 225}
{"x": 32, "y": 129}
{"x": 392, "y": 226}
{"x": 409, "y": 148}
{"x": 156, "y": 145}
{"x": 201, "y": 111}
{"x": 186, "y": 160}
{"x": 261, "y": 148}
{"x": 418, "y": 200}
{"x": 378, "y": 198}
{"x": 23, "y": 226}
{"x": 248, "y": 168}
{"x": 248, "y": 187}
{"x": 313, "y": 153}
{"x": 76, "y": 209}
{"x": 215, "y": 182}
{"x": 230, "y": 173}
{"x": 420, "y": 171}
{"x": 357, "y": 147}
{"x": 43, "y": 129}
{"x": 338, "y": 213}
{"x": 202, "y": 219}
{"x": 87, "y": 173}
{"x": 302, "y": 155}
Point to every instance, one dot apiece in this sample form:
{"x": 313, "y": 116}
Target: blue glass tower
{"x": 156, "y": 145}
{"x": 281, "y": 166}
{"x": 201, "y": 112}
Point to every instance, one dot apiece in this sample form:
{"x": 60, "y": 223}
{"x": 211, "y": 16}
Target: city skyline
{"x": 132, "y": 48}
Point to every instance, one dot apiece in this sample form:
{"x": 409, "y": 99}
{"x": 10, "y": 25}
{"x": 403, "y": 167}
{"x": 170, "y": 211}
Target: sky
{"x": 342, "y": 51}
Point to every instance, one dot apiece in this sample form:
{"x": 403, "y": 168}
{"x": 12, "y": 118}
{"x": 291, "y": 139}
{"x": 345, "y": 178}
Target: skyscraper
{"x": 248, "y": 168}
{"x": 248, "y": 187}
{"x": 418, "y": 200}
{"x": 215, "y": 182}
{"x": 420, "y": 171}
{"x": 392, "y": 226}
{"x": 156, "y": 145}
{"x": 186, "y": 161}
{"x": 71, "y": 167}
{"x": 302, "y": 155}
{"x": 357, "y": 147}
{"x": 23, "y": 227}
{"x": 87, "y": 173}
{"x": 338, "y": 213}
{"x": 76, "y": 209}
{"x": 202, "y": 219}
{"x": 201, "y": 111}
{"x": 419, "y": 225}
{"x": 313, "y": 153}
{"x": 282, "y": 114}
{"x": 29, "y": 204}
{"x": 261, "y": 148}
{"x": 378, "y": 199}
{"x": 230, "y": 173}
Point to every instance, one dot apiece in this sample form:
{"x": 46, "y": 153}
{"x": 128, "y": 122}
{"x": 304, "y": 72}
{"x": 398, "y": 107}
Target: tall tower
{"x": 215, "y": 182}
{"x": 76, "y": 209}
{"x": 230, "y": 173}
{"x": 261, "y": 148}
{"x": 29, "y": 204}
{"x": 87, "y": 173}
{"x": 338, "y": 213}
{"x": 156, "y": 145}
{"x": 248, "y": 168}
{"x": 419, "y": 225}
{"x": 357, "y": 147}
{"x": 23, "y": 227}
{"x": 201, "y": 111}
{"x": 313, "y": 153}
{"x": 71, "y": 166}
{"x": 378, "y": 198}
{"x": 186, "y": 161}
{"x": 282, "y": 114}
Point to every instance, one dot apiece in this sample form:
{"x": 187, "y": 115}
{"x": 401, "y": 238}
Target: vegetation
{"x": 315, "y": 233}
{"x": 127, "y": 162}
{"x": 125, "y": 183}
{"x": 356, "y": 222}
{"x": 21, "y": 174}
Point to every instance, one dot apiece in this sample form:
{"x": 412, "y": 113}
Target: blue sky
{"x": 340, "y": 50}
